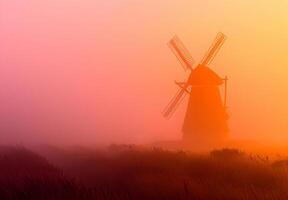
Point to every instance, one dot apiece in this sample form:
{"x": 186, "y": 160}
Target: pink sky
{"x": 94, "y": 71}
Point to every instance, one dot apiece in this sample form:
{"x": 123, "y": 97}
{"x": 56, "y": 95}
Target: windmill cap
{"x": 203, "y": 75}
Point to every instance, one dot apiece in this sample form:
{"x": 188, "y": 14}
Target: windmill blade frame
{"x": 170, "y": 109}
{"x": 181, "y": 53}
{"x": 214, "y": 49}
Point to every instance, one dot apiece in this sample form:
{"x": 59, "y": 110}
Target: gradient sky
{"x": 90, "y": 71}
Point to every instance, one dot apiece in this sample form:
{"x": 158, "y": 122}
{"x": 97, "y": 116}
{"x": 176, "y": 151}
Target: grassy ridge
{"x": 131, "y": 173}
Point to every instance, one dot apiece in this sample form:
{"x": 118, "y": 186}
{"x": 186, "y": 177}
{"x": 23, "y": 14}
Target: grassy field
{"x": 127, "y": 172}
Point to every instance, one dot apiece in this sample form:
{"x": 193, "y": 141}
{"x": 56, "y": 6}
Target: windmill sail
{"x": 174, "y": 103}
{"x": 213, "y": 50}
{"x": 181, "y": 53}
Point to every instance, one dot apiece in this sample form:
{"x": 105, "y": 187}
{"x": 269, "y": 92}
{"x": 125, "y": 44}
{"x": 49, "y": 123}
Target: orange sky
{"x": 86, "y": 71}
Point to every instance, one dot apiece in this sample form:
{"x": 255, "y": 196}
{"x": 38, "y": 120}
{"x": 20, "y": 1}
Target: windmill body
{"x": 206, "y": 118}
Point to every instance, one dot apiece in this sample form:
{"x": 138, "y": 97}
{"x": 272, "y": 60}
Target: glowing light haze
{"x": 99, "y": 71}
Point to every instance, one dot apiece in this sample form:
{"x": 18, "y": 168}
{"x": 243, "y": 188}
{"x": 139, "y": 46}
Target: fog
{"x": 99, "y": 72}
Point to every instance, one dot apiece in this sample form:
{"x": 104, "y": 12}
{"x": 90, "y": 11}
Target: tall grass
{"x": 122, "y": 173}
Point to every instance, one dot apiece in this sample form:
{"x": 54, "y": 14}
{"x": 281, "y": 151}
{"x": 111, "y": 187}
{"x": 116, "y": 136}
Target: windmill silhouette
{"x": 206, "y": 116}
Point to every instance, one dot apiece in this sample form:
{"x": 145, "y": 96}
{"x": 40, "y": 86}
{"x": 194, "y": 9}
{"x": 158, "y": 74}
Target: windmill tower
{"x": 206, "y": 118}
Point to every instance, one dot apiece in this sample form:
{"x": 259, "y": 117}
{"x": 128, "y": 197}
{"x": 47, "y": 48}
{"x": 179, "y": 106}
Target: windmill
{"x": 206, "y": 117}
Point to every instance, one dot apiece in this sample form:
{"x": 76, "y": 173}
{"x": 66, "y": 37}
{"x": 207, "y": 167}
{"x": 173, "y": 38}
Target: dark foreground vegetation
{"x": 126, "y": 173}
